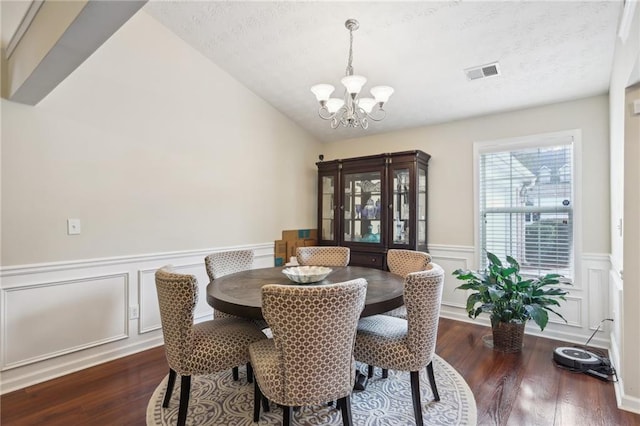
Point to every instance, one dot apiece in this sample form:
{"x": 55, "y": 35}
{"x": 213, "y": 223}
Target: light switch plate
{"x": 73, "y": 226}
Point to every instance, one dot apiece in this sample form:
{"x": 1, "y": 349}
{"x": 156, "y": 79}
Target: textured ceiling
{"x": 548, "y": 52}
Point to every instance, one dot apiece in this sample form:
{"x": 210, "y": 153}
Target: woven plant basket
{"x": 507, "y": 337}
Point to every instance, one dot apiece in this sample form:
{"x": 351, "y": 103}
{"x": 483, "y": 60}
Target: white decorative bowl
{"x": 307, "y": 274}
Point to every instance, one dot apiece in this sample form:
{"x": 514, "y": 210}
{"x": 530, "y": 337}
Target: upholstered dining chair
{"x": 310, "y": 360}
{"x": 194, "y": 349}
{"x": 406, "y": 345}
{"x": 403, "y": 262}
{"x": 227, "y": 262}
{"x": 323, "y": 255}
{"x": 224, "y": 263}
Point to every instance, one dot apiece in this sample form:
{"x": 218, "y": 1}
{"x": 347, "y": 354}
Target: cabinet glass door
{"x": 327, "y": 188}
{"x": 421, "y": 208}
{"x": 400, "y": 206}
{"x": 362, "y": 207}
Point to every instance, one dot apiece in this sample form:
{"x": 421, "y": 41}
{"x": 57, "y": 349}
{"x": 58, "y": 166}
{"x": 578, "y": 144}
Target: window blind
{"x": 526, "y": 207}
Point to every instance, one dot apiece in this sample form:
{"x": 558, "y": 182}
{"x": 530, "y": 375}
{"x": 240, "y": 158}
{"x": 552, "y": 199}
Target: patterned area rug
{"x": 217, "y": 400}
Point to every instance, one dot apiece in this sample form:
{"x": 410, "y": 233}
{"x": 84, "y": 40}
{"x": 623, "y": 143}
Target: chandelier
{"x": 352, "y": 111}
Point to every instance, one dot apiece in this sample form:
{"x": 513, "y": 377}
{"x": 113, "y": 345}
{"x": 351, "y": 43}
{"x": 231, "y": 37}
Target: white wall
{"x": 451, "y": 166}
{"x": 154, "y": 148}
{"x": 625, "y": 184}
{"x": 164, "y": 158}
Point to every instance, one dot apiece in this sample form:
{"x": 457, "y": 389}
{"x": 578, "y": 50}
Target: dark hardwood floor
{"x": 510, "y": 389}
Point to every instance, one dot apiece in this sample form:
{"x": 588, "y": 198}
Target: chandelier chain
{"x": 349, "y": 66}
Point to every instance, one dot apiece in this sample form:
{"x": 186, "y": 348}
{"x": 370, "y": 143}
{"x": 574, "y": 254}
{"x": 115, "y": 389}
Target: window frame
{"x": 567, "y": 137}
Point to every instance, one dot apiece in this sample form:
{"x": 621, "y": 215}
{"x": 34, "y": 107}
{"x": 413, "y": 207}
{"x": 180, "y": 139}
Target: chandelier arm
{"x": 327, "y": 115}
{"x": 360, "y": 118}
{"x": 379, "y": 117}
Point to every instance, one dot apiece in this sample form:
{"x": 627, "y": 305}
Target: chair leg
{"x": 345, "y": 408}
{"x": 235, "y": 374}
{"x": 370, "y": 371}
{"x": 249, "y": 373}
{"x": 257, "y": 399}
{"x": 385, "y": 373}
{"x": 169, "y": 391}
{"x": 265, "y": 404}
{"x": 185, "y": 389}
{"x": 432, "y": 381}
{"x": 286, "y": 416}
{"x": 415, "y": 396}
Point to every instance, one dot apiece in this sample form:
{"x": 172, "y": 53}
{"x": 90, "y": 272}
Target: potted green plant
{"x": 510, "y": 299}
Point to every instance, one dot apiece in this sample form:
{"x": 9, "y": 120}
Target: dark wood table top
{"x": 240, "y": 293}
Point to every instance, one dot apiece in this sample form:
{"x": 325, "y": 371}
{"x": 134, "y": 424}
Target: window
{"x": 526, "y": 202}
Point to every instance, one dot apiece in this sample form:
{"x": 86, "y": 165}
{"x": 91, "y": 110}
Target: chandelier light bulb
{"x": 351, "y": 111}
{"x": 381, "y": 93}
{"x": 353, "y": 83}
{"x": 367, "y": 104}
{"x": 334, "y": 104}
{"x": 322, "y": 91}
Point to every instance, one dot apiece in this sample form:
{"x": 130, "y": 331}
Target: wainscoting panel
{"x": 572, "y": 310}
{"x": 50, "y": 319}
{"x": 615, "y": 296}
{"x": 586, "y": 305}
{"x": 62, "y": 317}
{"x": 451, "y": 258}
{"x": 598, "y": 282}
{"x": 148, "y": 301}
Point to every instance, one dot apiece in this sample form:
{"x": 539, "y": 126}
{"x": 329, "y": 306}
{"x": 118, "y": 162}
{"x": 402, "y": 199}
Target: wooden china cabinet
{"x": 372, "y": 204}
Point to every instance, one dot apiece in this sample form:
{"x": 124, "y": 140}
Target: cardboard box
{"x": 279, "y": 252}
{"x": 293, "y": 245}
{"x": 300, "y": 234}
{"x": 292, "y": 239}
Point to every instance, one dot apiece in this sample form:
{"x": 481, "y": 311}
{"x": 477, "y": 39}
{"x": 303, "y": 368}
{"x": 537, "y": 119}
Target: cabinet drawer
{"x": 371, "y": 260}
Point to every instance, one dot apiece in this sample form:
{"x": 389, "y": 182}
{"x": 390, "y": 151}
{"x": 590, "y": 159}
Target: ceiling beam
{"x": 59, "y": 38}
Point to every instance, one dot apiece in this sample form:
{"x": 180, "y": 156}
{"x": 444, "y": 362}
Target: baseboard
{"x": 628, "y": 403}
{"x": 63, "y": 368}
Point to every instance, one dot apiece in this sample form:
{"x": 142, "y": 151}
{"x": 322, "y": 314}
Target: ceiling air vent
{"x": 483, "y": 71}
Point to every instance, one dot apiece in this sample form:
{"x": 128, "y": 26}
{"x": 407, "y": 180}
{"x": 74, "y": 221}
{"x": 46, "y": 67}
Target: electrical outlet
{"x": 73, "y": 226}
{"x": 134, "y": 312}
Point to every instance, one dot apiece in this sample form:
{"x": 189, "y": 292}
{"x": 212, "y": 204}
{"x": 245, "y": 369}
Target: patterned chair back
{"x": 177, "y": 297}
{"x": 323, "y": 256}
{"x": 314, "y": 330}
{"x": 403, "y": 262}
{"x": 228, "y": 262}
{"x": 422, "y": 297}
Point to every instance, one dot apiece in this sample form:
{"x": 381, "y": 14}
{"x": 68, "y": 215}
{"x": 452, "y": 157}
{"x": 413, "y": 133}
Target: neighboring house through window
{"x": 526, "y": 201}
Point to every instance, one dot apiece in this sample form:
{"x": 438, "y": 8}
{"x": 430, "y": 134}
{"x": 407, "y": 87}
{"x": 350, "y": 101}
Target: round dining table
{"x": 240, "y": 293}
